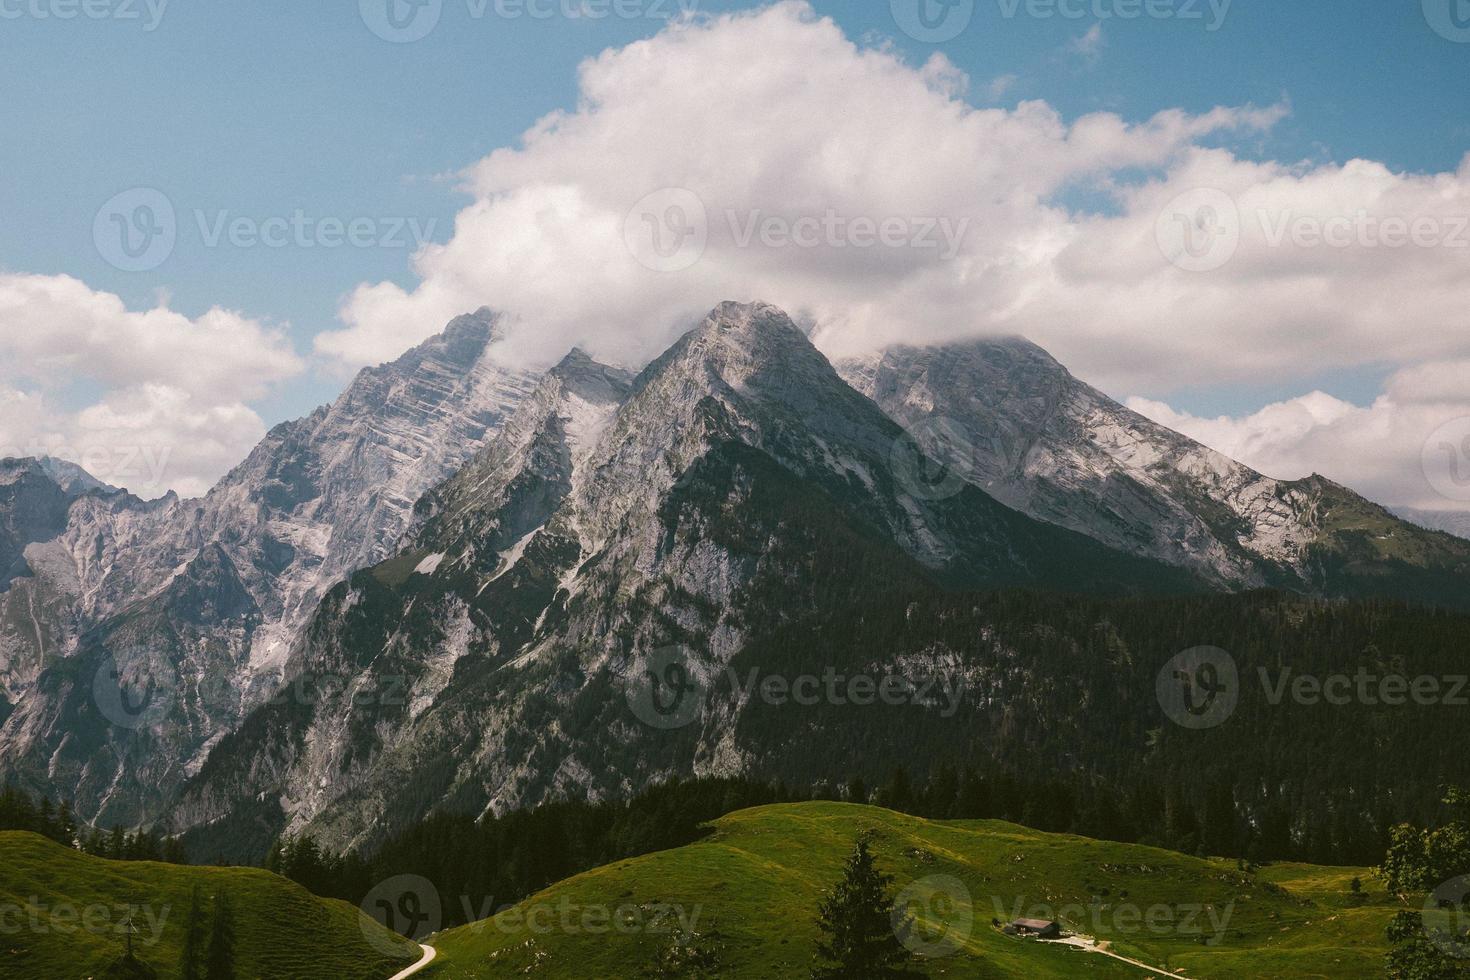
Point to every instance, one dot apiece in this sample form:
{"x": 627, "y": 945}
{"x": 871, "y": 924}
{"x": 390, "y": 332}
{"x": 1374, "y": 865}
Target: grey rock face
{"x": 1062, "y": 451}
{"x": 436, "y": 591}
{"x": 317, "y": 499}
{"x": 737, "y": 484}
{"x": 34, "y": 499}
{"x": 36, "y": 496}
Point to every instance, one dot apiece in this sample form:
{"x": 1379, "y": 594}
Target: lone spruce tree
{"x": 860, "y": 928}
{"x": 220, "y": 961}
{"x": 191, "y": 961}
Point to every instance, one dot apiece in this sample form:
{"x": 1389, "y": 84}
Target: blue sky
{"x": 274, "y": 107}
{"x": 263, "y": 108}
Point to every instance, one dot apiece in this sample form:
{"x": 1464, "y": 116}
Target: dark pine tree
{"x": 66, "y": 825}
{"x": 940, "y": 798}
{"x": 859, "y": 926}
{"x": 191, "y": 960}
{"x": 898, "y": 794}
{"x": 220, "y": 960}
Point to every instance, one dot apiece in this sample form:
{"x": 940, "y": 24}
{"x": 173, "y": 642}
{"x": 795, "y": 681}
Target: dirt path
{"x": 1089, "y": 945}
{"x": 429, "y": 954}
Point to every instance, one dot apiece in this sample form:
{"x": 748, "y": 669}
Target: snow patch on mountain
{"x": 430, "y": 565}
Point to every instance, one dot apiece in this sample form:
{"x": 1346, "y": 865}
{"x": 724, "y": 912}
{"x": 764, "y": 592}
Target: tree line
{"x": 57, "y": 822}
{"x": 504, "y": 859}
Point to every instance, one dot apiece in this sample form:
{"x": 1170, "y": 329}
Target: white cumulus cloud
{"x": 773, "y": 118}
{"x": 149, "y": 400}
{"x": 1410, "y": 447}
{"x": 775, "y": 151}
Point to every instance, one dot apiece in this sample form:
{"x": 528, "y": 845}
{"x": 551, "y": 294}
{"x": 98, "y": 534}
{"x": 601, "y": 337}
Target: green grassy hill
{"x": 750, "y": 892}
{"x": 60, "y": 918}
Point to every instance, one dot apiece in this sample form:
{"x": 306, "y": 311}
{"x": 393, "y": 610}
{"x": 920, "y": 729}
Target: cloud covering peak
{"x": 798, "y": 166}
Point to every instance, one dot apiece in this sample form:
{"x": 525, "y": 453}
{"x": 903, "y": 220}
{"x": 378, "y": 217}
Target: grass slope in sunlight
{"x": 752, "y": 888}
{"x": 281, "y": 930}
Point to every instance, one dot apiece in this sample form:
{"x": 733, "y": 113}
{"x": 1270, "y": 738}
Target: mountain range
{"x": 439, "y": 590}
{"x": 1059, "y": 450}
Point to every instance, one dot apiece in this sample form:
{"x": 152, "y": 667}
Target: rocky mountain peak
{"x": 1055, "y": 448}
{"x": 753, "y": 359}
{"x": 15, "y": 468}
{"x": 71, "y": 477}
{"x": 245, "y": 565}
{"x": 756, "y": 329}
{"x": 466, "y": 337}
{"x": 33, "y": 507}
{"x": 580, "y": 374}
